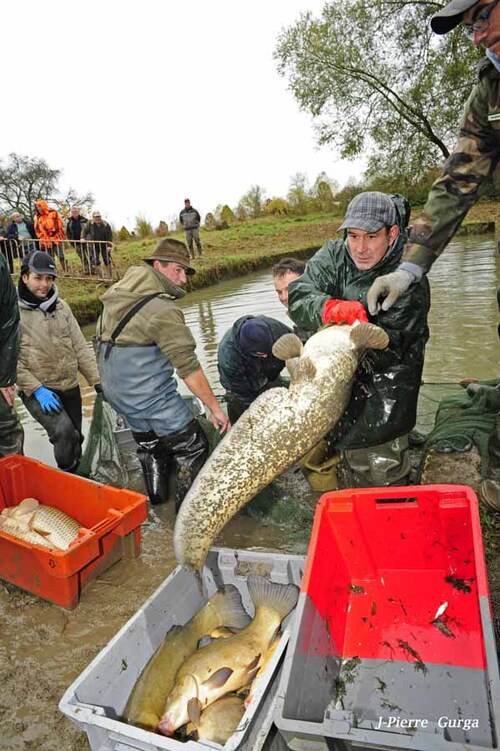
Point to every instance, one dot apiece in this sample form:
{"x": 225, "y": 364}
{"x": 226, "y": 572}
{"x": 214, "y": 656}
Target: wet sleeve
{"x": 240, "y": 381}
{"x": 168, "y": 329}
{"x": 473, "y": 160}
{"x": 308, "y": 294}
{"x": 9, "y": 328}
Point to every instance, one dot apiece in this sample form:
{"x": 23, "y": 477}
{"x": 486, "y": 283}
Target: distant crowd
{"x": 91, "y": 238}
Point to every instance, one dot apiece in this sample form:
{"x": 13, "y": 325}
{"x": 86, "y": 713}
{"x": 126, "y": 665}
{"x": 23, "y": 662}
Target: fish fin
{"x": 369, "y": 336}
{"x": 205, "y": 641}
{"x": 281, "y": 597}
{"x": 27, "y": 506}
{"x": 225, "y": 608}
{"x": 254, "y": 664}
{"x": 252, "y": 674}
{"x": 194, "y": 711}
{"x": 174, "y": 630}
{"x": 287, "y": 347}
{"x": 301, "y": 369}
{"x": 218, "y": 679}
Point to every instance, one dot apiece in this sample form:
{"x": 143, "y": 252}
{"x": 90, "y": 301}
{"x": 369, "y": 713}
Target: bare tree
{"x": 24, "y": 180}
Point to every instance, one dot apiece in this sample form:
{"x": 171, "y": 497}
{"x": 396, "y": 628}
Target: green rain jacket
{"x": 9, "y": 327}
{"x": 383, "y": 402}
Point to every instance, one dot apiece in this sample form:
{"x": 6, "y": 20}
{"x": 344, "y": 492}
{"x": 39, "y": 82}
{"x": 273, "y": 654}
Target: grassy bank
{"x": 237, "y": 251}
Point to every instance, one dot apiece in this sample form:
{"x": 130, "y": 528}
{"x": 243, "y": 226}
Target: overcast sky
{"x": 147, "y": 103}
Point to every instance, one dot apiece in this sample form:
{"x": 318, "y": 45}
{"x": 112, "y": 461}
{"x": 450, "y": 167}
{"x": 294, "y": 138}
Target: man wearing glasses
{"x": 474, "y": 159}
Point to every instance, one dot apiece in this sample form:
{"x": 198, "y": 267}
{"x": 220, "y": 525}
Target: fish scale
{"x": 278, "y": 428}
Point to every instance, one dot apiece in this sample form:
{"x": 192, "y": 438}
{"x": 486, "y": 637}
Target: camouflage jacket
{"x": 473, "y": 160}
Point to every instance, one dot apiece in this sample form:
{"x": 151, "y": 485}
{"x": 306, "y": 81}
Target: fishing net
{"x": 102, "y": 459}
{"x": 110, "y": 454}
{"x": 465, "y": 420}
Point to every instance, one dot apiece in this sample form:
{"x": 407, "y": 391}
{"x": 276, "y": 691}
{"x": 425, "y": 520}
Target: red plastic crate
{"x": 110, "y": 521}
{"x": 381, "y": 561}
{"x": 393, "y": 625}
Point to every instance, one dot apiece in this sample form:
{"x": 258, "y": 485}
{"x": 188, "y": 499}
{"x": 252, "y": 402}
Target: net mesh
{"x": 102, "y": 459}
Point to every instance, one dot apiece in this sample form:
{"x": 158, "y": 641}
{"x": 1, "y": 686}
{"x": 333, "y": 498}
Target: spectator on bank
{"x": 99, "y": 236}
{"x": 49, "y": 229}
{"x": 5, "y": 249}
{"x": 21, "y": 234}
{"x": 74, "y": 230}
{"x": 190, "y": 220}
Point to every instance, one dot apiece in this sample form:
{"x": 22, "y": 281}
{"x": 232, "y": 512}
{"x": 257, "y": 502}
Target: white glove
{"x": 391, "y": 286}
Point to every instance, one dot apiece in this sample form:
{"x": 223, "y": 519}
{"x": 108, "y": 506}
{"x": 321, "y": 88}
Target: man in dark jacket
{"x": 99, "y": 236}
{"x": 20, "y": 233}
{"x": 373, "y": 432}
{"x": 11, "y": 432}
{"x": 74, "y": 232}
{"x": 247, "y": 366}
{"x": 190, "y": 220}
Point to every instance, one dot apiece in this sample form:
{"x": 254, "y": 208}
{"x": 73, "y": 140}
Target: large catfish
{"x": 278, "y": 428}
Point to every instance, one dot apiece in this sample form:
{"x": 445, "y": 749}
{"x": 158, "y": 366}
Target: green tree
{"x": 298, "y": 193}
{"x": 276, "y": 207}
{"x": 378, "y": 80}
{"x": 24, "y": 180}
{"x": 251, "y": 204}
{"x": 143, "y": 226}
{"x": 227, "y": 214}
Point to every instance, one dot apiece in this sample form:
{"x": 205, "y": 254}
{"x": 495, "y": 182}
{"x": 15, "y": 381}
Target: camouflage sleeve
{"x": 472, "y": 161}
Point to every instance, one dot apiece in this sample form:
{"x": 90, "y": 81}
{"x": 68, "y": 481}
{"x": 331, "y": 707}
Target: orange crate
{"x": 110, "y": 521}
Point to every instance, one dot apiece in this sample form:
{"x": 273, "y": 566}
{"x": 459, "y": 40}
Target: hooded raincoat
{"x": 49, "y": 227}
{"x": 241, "y": 374}
{"x": 383, "y": 402}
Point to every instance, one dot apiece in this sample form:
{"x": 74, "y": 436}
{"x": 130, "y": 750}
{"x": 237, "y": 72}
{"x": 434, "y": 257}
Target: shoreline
{"x": 242, "y": 249}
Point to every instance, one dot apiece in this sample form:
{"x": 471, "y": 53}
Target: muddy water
{"x": 43, "y": 648}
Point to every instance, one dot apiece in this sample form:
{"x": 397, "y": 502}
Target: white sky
{"x": 147, "y": 103}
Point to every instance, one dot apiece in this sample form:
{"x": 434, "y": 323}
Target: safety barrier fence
{"x": 72, "y": 258}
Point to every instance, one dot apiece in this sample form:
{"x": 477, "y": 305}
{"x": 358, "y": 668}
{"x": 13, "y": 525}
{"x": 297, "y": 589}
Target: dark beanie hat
{"x": 255, "y": 337}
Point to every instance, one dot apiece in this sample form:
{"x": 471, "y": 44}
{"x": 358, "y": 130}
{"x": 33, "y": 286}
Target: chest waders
{"x": 170, "y": 462}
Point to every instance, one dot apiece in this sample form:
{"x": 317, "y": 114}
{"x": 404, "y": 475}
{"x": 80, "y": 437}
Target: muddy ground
{"x": 44, "y": 648}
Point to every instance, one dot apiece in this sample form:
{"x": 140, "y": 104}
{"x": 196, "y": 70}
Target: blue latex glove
{"x": 47, "y": 400}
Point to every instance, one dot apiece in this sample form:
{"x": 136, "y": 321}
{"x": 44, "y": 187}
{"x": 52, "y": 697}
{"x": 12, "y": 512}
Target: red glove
{"x": 343, "y": 311}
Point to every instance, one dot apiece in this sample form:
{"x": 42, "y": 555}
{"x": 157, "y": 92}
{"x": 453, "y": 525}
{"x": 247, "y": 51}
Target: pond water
{"x": 463, "y": 321}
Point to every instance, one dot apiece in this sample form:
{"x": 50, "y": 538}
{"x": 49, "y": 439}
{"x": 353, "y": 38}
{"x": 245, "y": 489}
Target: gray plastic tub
{"x": 96, "y": 700}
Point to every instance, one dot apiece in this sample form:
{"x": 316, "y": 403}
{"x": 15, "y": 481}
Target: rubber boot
{"x": 490, "y": 488}
{"x": 189, "y": 449}
{"x": 155, "y": 464}
{"x": 11, "y": 430}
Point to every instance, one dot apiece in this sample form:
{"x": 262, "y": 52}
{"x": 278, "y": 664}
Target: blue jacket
{"x": 242, "y": 375}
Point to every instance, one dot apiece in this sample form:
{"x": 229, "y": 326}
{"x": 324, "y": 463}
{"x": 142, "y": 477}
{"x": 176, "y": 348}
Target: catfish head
{"x": 188, "y": 698}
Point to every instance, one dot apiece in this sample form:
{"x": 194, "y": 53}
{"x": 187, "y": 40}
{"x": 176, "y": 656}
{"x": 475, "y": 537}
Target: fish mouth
{"x": 165, "y": 727}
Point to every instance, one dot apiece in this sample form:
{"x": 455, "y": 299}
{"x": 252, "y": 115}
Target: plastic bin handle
{"x": 121, "y": 744}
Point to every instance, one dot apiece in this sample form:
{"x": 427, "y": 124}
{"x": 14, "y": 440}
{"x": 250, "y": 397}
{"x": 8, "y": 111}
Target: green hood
{"x": 137, "y": 283}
